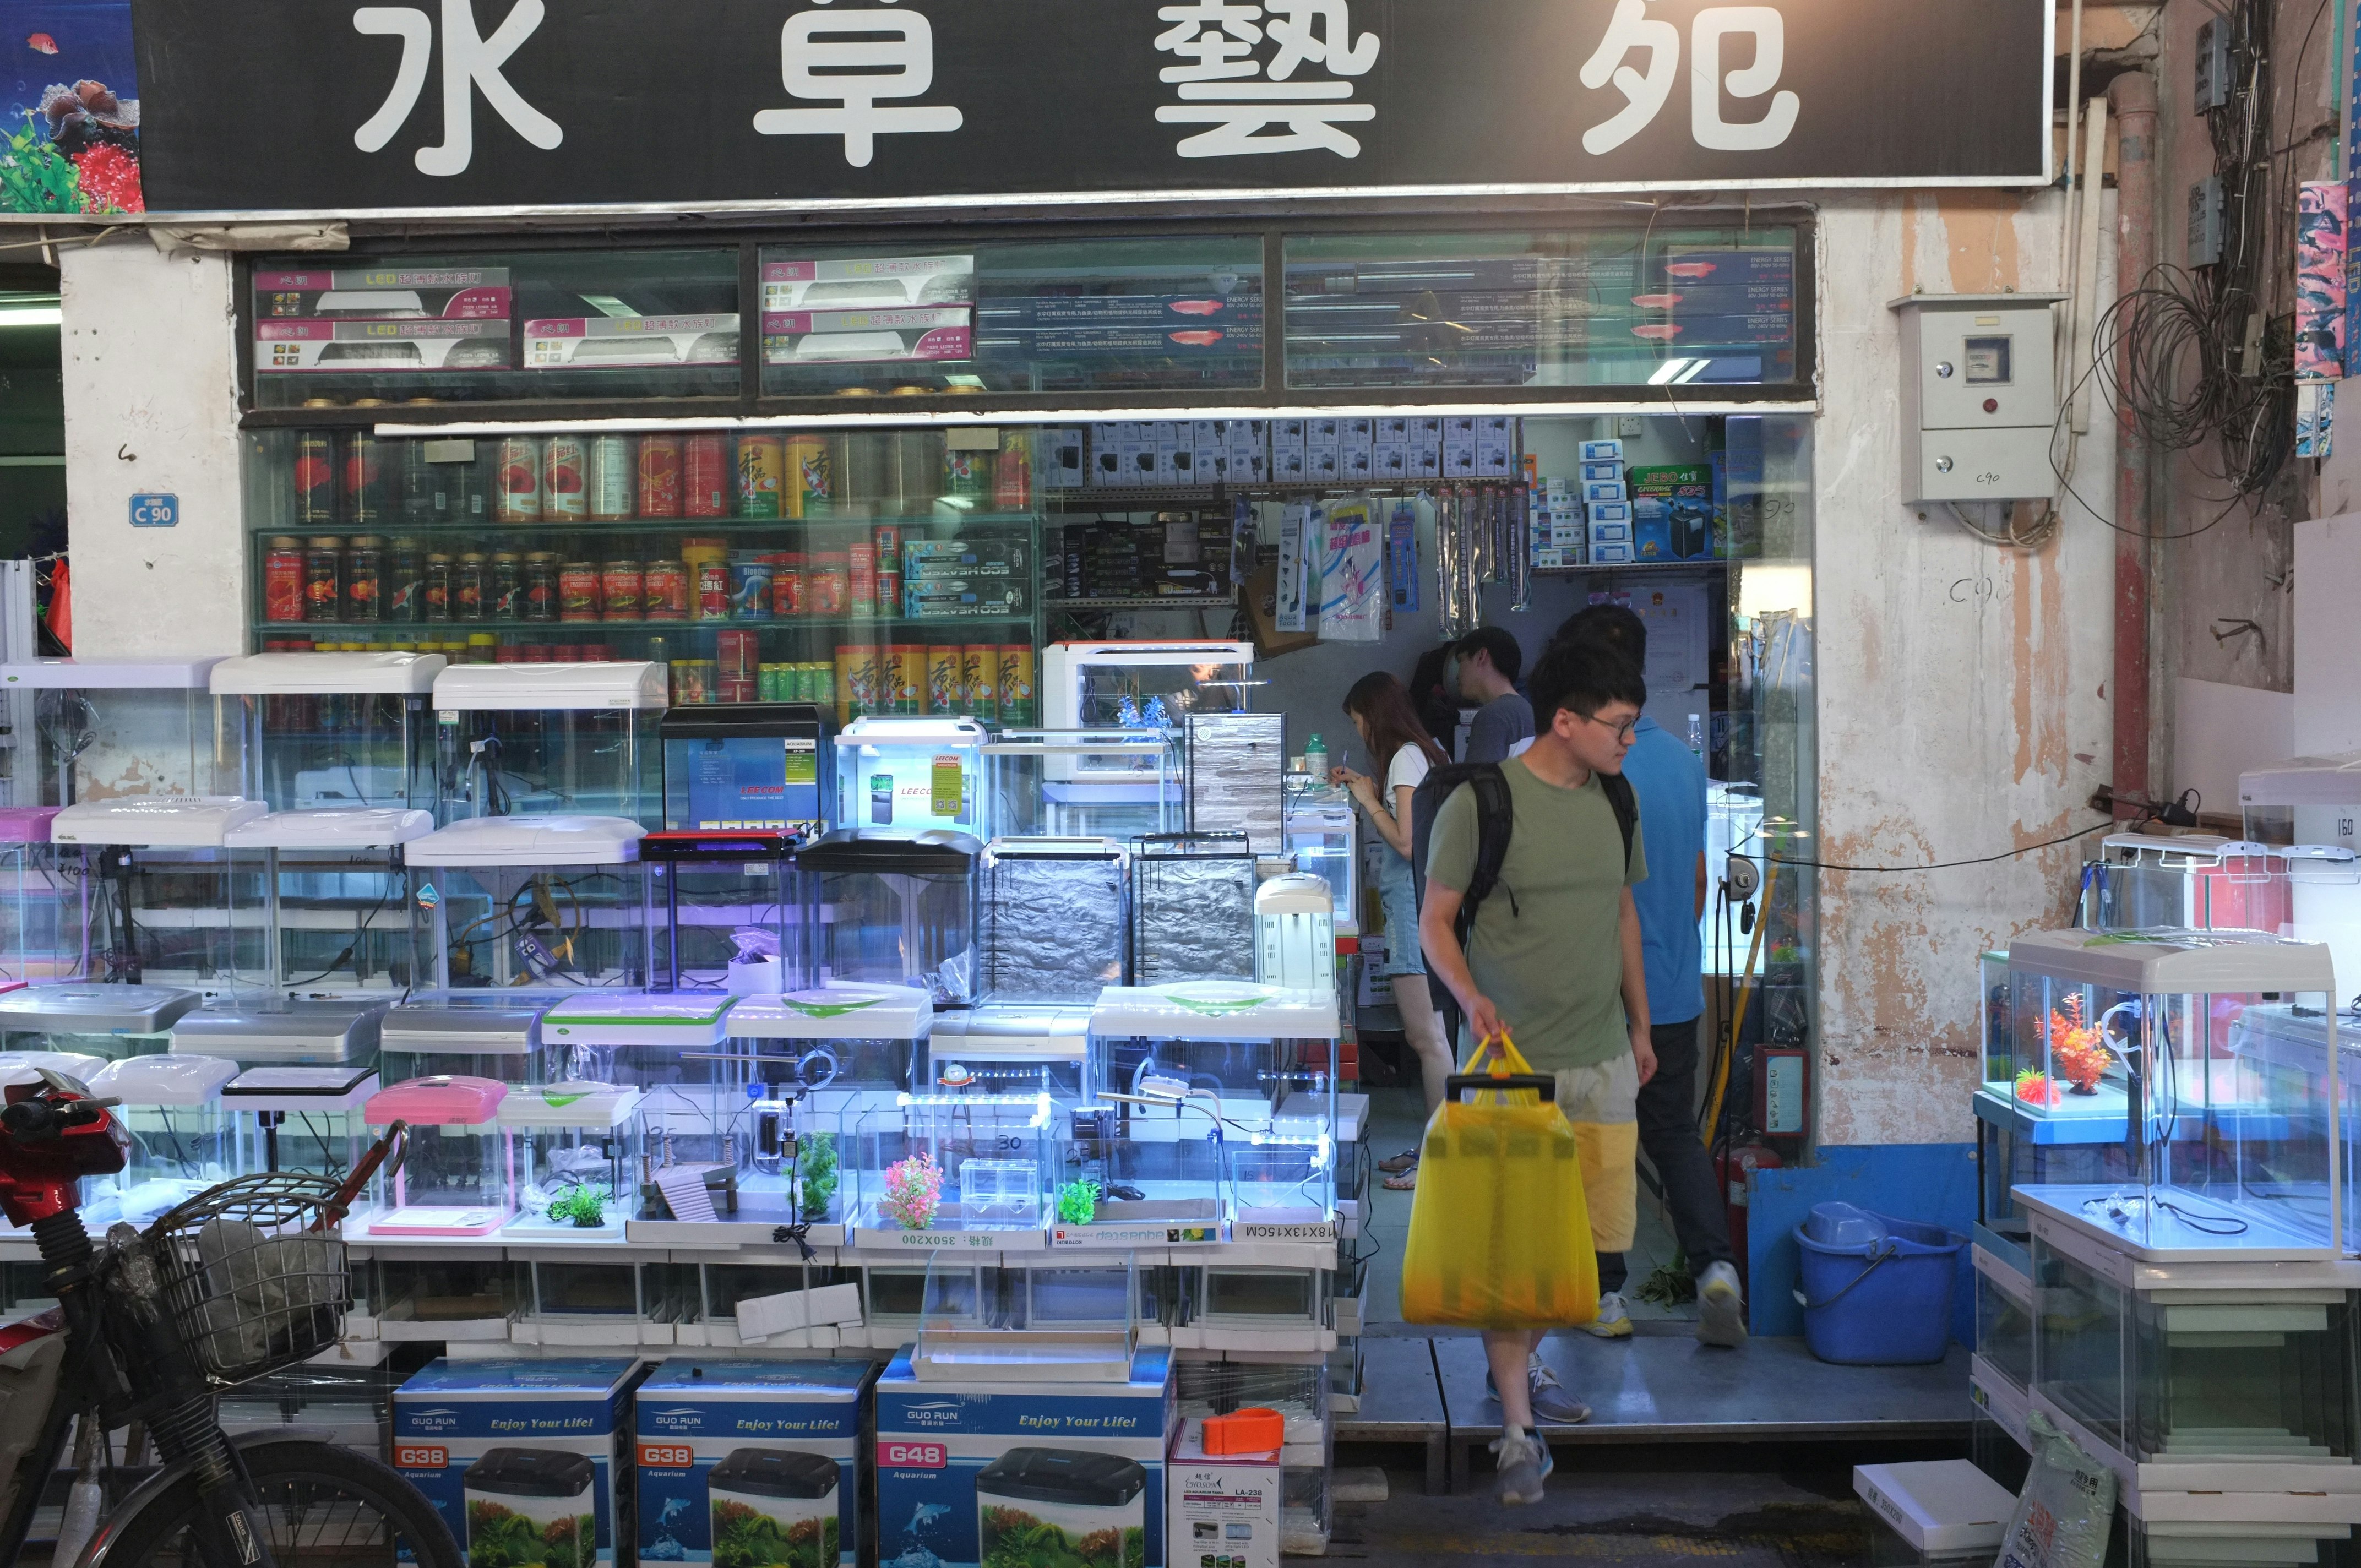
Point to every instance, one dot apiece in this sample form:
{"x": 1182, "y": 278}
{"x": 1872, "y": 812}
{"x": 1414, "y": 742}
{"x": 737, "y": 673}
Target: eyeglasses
{"x": 1623, "y": 732}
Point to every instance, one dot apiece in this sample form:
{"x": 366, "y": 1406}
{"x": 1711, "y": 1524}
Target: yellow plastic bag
{"x": 1499, "y": 1235}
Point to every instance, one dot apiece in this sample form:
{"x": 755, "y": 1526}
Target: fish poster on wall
{"x": 1352, "y": 577}
{"x": 2320, "y": 280}
{"x": 69, "y": 108}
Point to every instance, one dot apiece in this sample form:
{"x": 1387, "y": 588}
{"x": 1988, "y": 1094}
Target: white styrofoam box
{"x": 1608, "y": 470}
{"x": 1610, "y": 554}
{"x": 1941, "y": 1506}
{"x": 1604, "y": 491}
{"x": 1610, "y": 534}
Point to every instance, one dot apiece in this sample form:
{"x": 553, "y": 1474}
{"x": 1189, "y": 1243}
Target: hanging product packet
{"x": 2066, "y": 1509}
{"x": 1499, "y": 1233}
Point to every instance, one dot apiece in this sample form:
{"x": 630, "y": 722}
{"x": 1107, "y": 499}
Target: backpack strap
{"x": 1495, "y": 822}
{"x": 1618, "y": 793}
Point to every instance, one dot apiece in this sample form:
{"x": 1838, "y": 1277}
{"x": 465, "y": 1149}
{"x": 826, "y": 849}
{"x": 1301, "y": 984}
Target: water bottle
{"x": 1696, "y": 734}
{"x": 1315, "y": 761}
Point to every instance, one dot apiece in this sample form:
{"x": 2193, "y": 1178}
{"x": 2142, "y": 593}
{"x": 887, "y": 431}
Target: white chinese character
{"x": 1706, "y": 82}
{"x": 1319, "y": 32}
{"x": 1309, "y": 127}
{"x": 470, "y": 62}
{"x": 1218, "y": 35}
{"x": 1629, "y": 29}
{"x": 864, "y": 65}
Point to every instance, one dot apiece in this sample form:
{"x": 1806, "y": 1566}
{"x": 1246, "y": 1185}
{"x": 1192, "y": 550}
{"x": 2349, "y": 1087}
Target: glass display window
{"x": 1082, "y": 784}
{"x": 552, "y": 739}
{"x": 314, "y": 730}
{"x": 553, "y": 903}
{"x": 182, "y": 910}
{"x": 305, "y": 1120}
{"x": 727, "y": 911}
{"x": 905, "y": 778}
{"x": 931, "y": 1165}
{"x": 577, "y": 1153}
{"x": 1054, "y": 919}
{"x": 183, "y": 1140}
{"x": 340, "y": 920}
{"x": 896, "y": 912}
{"x": 104, "y": 728}
{"x": 458, "y": 1179}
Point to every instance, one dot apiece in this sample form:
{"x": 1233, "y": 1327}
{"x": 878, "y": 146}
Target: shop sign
{"x": 577, "y": 103}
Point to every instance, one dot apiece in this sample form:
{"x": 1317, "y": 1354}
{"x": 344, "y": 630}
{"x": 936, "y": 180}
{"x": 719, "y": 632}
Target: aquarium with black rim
{"x": 726, "y": 911}
{"x": 896, "y": 911}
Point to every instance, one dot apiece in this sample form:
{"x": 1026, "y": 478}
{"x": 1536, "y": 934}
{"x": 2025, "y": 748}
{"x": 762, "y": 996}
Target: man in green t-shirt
{"x": 1554, "y": 959}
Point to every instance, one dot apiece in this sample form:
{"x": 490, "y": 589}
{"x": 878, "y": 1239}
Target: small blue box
{"x": 1602, "y": 452}
{"x": 1651, "y": 538}
{"x": 1610, "y": 534}
{"x": 1609, "y": 511}
{"x": 1604, "y": 490}
{"x": 1595, "y": 471}
{"x": 1610, "y": 554}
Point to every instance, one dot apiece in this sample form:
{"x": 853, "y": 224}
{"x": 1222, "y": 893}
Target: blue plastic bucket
{"x": 1878, "y": 1291}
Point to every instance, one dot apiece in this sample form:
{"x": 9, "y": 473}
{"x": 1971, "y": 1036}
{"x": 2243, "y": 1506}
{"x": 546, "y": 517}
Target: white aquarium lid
{"x": 88, "y": 1007}
{"x": 165, "y": 1080}
{"x": 2173, "y": 961}
{"x": 327, "y": 675}
{"x": 1017, "y": 848}
{"x": 312, "y": 1033}
{"x": 155, "y": 822}
{"x": 1214, "y": 1010}
{"x": 463, "y": 1026}
{"x": 1296, "y": 892}
{"x": 502, "y": 688}
{"x": 1154, "y": 652}
{"x": 26, "y": 1066}
{"x": 2303, "y": 780}
{"x": 568, "y": 1105}
{"x": 109, "y": 674}
{"x": 847, "y": 1010}
{"x": 871, "y": 731}
{"x": 670, "y": 1021}
{"x": 1014, "y": 1032}
{"x": 301, "y": 1089}
{"x": 529, "y": 841}
{"x": 333, "y": 827}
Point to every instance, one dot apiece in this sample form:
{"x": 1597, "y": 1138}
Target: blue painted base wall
{"x": 1932, "y": 1183}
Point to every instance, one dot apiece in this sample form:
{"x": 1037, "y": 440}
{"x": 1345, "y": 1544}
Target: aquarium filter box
{"x": 751, "y": 1462}
{"x": 971, "y": 1473}
{"x": 520, "y": 1457}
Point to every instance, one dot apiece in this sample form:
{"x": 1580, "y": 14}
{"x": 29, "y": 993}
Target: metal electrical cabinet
{"x": 1979, "y": 397}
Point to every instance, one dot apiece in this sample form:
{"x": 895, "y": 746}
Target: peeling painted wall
{"x": 1962, "y": 702}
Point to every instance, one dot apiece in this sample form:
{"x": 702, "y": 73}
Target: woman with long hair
{"x": 1401, "y": 751}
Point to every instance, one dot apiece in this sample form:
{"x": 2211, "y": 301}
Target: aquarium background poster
{"x": 69, "y": 108}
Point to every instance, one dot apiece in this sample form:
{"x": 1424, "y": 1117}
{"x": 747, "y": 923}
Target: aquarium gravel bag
{"x": 1499, "y": 1233}
{"x": 2066, "y": 1509}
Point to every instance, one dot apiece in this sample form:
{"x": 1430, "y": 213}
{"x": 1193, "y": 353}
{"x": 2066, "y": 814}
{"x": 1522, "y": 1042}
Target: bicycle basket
{"x": 253, "y": 1285}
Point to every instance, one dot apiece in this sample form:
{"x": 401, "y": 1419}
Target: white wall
{"x": 2219, "y": 731}
{"x": 151, "y": 405}
{"x": 2327, "y": 636}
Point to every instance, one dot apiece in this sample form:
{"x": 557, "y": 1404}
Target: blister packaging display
{"x": 552, "y": 740}
{"x": 331, "y": 730}
{"x": 896, "y": 911}
{"x": 1053, "y": 920}
{"x": 1113, "y": 783}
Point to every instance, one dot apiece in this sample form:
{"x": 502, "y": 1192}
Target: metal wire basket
{"x": 255, "y": 1274}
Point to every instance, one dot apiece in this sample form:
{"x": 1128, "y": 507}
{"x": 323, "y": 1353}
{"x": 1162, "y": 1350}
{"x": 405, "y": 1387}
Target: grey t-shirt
{"x": 1499, "y": 725}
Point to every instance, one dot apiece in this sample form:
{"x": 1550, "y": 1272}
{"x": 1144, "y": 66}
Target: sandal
{"x": 1400, "y": 1163}
{"x": 1403, "y": 1181}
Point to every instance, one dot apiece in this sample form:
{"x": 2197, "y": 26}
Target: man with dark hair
{"x": 1669, "y": 780}
{"x": 1553, "y": 957}
{"x": 1490, "y": 661}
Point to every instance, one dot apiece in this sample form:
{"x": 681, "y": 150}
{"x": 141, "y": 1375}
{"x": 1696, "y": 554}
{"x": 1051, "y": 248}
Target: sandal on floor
{"x": 1400, "y": 1163}
{"x": 1402, "y": 1182}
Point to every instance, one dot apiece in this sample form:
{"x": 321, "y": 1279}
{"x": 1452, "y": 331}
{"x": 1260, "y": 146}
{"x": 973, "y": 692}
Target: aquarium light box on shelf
{"x": 296, "y": 1034}
{"x": 481, "y": 1034}
{"x": 751, "y": 1462}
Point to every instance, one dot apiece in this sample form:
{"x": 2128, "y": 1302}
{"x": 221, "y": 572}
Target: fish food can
{"x": 692, "y": 682}
{"x": 316, "y": 480}
{"x": 323, "y": 578}
{"x": 506, "y": 601}
{"x": 828, "y": 583}
{"x": 907, "y": 664}
{"x": 713, "y": 591}
{"x": 665, "y": 590}
{"x": 659, "y": 476}
{"x": 707, "y": 476}
{"x": 471, "y": 587}
{"x": 439, "y": 586}
{"x": 614, "y": 478}
{"x": 516, "y": 493}
{"x": 541, "y": 573}
{"x": 1016, "y": 682}
{"x": 980, "y": 678}
{"x": 620, "y": 587}
{"x": 761, "y": 475}
{"x": 565, "y": 484}
{"x": 740, "y": 654}
{"x": 405, "y": 582}
{"x": 967, "y": 474}
{"x": 749, "y": 587}
{"x": 787, "y": 585}
{"x": 578, "y": 591}
{"x": 810, "y": 472}
{"x": 282, "y": 580}
{"x": 946, "y": 679}
{"x": 365, "y": 579}
{"x": 860, "y": 577}
{"x": 365, "y": 480}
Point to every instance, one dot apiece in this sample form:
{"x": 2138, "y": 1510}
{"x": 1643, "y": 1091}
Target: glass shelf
{"x": 515, "y": 536}
{"x": 570, "y": 631}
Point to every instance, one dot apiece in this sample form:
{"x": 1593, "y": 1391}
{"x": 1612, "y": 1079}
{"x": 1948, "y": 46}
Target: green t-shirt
{"x": 1547, "y": 946}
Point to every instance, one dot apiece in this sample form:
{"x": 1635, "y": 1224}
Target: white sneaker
{"x": 1614, "y": 1320}
{"x": 1525, "y": 1463}
{"x": 1721, "y": 1307}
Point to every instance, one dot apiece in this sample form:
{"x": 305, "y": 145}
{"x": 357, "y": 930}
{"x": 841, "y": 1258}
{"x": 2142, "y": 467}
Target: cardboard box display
{"x": 1725, "y": 267}
{"x": 751, "y": 1461}
{"x": 1064, "y": 457}
{"x": 384, "y": 293}
{"x": 868, "y": 282}
{"x": 964, "y": 1466}
{"x": 1610, "y": 554}
{"x": 953, "y": 599}
{"x": 927, "y": 559}
{"x": 879, "y": 337}
{"x": 1720, "y": 299}
{"x": 1219, "y": 1511}
{"x": 1594, "y": 471}
{"x": 358, "y": 346}
{"x": 1604, "y": 491}
{"x": 1608, "y": 511}
{"x": 596, "y": 342}
{"x": 1609, "y": 450}
{"x": 1610, "y": 534}
{"x": 520, "y": 1457}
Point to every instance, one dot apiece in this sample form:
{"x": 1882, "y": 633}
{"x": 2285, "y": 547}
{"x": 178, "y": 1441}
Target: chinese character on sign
{"x": 867, "y": 56}
{"x": 470, "y": 62}
{"x": 1225, "y": 85}
{"x": 1631, "y": 30}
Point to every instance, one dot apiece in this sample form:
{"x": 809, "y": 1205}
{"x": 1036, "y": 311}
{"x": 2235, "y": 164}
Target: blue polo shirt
{"x": 1669, "y": 780}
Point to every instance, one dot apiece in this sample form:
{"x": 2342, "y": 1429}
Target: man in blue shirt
{"x": 1669, "y": 780}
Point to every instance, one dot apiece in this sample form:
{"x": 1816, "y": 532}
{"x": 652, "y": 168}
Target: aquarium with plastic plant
{"x": 1051, "y": 919}
{"x": 329, "y": 731}
{"x": 1113, "y": 783}
{"x": 301, "y": 1121}
{"x": 577, "y": 1147}
{"x": 182, "y": 1140}
{"x": 458, "y": 1177}
{"x": 579, "y": 740}
{"x": 2221, "y": 1046}
{"x": 1139, "y": 1175}
{"x": 897, "y": 912}
{"x": 726, "y": 911}
{"x": 531, "y": 906}
{"x": 341, "y": 918}
{"x": 900, "y": 777}
{"x": 1193, "y": 907}
{"x": 930, "y": 1164}
{"x": 1062, "y": 1322}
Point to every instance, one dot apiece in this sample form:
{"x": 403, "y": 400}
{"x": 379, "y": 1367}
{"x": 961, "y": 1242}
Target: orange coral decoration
{"x": 2076, "y": 1049}
{"x": 2035, "y": 1089}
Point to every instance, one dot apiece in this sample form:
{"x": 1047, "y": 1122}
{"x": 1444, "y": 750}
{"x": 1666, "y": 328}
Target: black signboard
{"x": 343, "y": 106}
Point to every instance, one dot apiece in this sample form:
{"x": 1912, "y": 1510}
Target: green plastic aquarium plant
{"x": 1077, "y": 1202}
{"x": 581, "y": 1205}
{"x": 815, "y": 1175}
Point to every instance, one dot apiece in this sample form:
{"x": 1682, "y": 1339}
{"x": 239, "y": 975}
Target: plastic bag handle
{"x": 1497, "y": 1054}
{"x": 1542, "y": 1084}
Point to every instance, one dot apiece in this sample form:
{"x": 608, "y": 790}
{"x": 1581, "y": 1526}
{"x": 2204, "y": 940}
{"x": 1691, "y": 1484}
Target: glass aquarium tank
{"x": 972, "y": 1164}
{"x": 736, "y": 767}
{"x": 1295, "y": 931}
{"x": 481, "y": 1034}
{"x": 2005, "y": 1319}
{"x": 109, "y": 727}
{"x": 577, "y": 1301}
{"x": 445, "y": 1300}
{"x": 1053, "y": 920}
{"x": 726, "y": 911}
{"x": 894, "y": 911}
{"x": 2015, "y": 1148}
{"x": 1193, "y": 907}
{"x": 459, "y": 1177}
{"x": 304, "y": 732}
{"x": 101, "y": 1021}
{"x": 303, "y": 1121}
{"x": 1012, "y": 1047}
{"x": 1131, "y": 1177}
{"x": 180, "y": 908}
{"x": 1325, "y": 839}
{"x": 543, "y": 902}
{"x": 2222, "y": 1047}
{"x": 1145, "y": 685}
{"x": 47, "y": 914}
{"x": 2183, "y": 882}
{"x": 1075, "y": 1322}
{"x": 1083, "y": 784}
{"x": 905, "y": 777}
{"x": 558, "y": 739}
{"x": 183, "y": 1140}
{"x": 577, "y": 1159}
{"x": 339, "y": 917}
{"x": 300, "y": 1033}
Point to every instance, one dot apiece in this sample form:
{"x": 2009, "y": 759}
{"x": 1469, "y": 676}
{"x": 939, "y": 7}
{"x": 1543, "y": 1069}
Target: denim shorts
{"x": 1397, "y": 892}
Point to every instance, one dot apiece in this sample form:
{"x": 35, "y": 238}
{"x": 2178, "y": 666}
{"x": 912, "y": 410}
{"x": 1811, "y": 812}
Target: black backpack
{"x": 1495, "y": 820}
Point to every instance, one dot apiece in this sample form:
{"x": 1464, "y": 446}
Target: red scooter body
{"x": 41, "y": 1177}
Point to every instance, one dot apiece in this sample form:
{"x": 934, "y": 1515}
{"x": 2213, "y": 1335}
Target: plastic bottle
{"x": 1315, "y": 761}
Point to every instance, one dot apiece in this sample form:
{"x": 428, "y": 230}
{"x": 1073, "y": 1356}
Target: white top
{"x": 847, "y": 1010}
{"x": 1055, "y": 849}
{"x": 1214, "y": 1010}
{"x": 2157, "y": 962}
{"x": 489, "y": 688}
{"x": 1156, "y": 652}
{"x": 1944, "y": 1507}
{"x": 95, "y": 1007}
{"x": 890, "y": 731}
{"x": 333, "y": 827}
{"x": 530, "y": 841}
{"x": 1407, "y": 771}
{"x": 26, "y": 1066}
{"x": 327, "y": 674}
{"x": 1297, "y": 893}
{"x": 165, "y": 1080}
{"x": 672, "y": 1021}
{"x": 109, "y": 674}
{"x": 568, "y": 1105}
{"x": 155, "y": 822}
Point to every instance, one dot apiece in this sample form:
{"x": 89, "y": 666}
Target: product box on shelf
{"x": 522, "y": 1459}
{"x": 1725, "y": 267}
{"x": 1220, "y": 1510}
{"x": 594, "y": 342}
{"x": 867, "y": 336}
{"x": 452, "y": 293}
{"x": 868, "y": 282}
{"x": 751, "y": 1461}
{"x": 994, "y": 1471}
{"x": 376, "y": 347}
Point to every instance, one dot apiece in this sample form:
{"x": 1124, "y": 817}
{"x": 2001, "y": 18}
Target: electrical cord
{"x": 2107, "y": 826}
